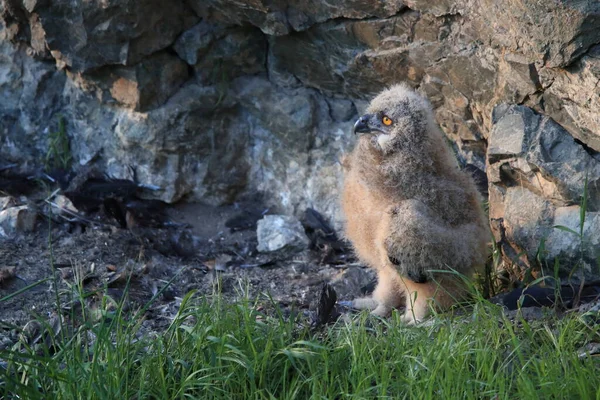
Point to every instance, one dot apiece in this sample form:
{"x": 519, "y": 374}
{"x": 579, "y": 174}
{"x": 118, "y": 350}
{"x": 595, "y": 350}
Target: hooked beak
{"x": 362, "y": 125}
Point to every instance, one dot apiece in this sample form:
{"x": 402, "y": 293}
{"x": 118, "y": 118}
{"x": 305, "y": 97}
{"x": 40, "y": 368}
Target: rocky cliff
{"x": 221, "y": 99}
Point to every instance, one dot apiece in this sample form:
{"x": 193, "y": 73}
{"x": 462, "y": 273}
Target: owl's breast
{"x": 367, "y": 217}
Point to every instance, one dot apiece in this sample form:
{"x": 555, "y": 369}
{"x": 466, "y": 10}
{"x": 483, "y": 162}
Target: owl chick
{"x": 410, "y": 213}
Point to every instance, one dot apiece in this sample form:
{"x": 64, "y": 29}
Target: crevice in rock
{"x": 577, "y": 58}
{"x": 511, "y": 177}
{"x": 329, "y": 111}
{"x": 593, "y": 153}
{"x": 529, "y": 101}
{"x": 340, "y": 20}
{"x": 267, "y": 55}
{"x": 534, "y": 76}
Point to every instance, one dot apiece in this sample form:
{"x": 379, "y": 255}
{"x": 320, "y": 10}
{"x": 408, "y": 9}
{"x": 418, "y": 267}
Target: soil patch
{"x": 199, "y": 251}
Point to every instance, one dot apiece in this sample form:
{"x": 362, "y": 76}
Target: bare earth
{"x": 205, "y": 256}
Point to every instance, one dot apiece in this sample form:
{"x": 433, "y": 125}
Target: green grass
{"x": 232, "y": 351}
{"x": 58, "y": 154}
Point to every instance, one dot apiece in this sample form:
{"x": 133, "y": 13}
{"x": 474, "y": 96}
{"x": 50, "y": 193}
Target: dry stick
{"x": 74, "y": 214}
{"x": 52, "y": 194}
{"x": 8, "y": 166}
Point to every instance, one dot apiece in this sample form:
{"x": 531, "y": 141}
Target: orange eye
{"x": 386, "y": 121}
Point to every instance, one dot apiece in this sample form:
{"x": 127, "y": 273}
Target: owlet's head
{"x": 398, "y": 117}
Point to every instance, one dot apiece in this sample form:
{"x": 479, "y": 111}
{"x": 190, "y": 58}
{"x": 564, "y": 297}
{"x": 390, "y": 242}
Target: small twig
{"x": 52, "y": 195}
{"x": 149, "y": 187}
{"x": 175, "y": 224}
{"x": 51, "y": 179}
{"x": 9, "y": 166}
{"x": 76, "y": 215}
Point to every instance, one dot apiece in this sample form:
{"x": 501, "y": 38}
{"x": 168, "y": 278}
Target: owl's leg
{"x": 418, "y": 299}
{"x": 386, "y": 295}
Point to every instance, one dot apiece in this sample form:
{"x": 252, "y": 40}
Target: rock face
{"x": 220, "y": 100}
{"x": 540, "y": 178}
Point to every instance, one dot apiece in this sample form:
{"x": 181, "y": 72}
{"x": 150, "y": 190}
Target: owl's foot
{"x": 410, "y": 319}
{"x": 416, "y": 312}
{"x": 369, "y": 303}
{"x": 382, "y": 310}
{"x": 365, "y": 303}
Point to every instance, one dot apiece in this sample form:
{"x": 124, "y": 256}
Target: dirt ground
{"x": 205, "y": 255}
{"x": 97, "y": 263}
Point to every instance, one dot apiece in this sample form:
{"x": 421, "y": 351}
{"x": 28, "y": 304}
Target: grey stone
{"x": 30, "y": 98}
{"x": 538, "y": 176}
{"x": 63, "y": 206}
{"x": 296, "y": 147}
{"x": 341, "y": 110}
{"x": 14, "y": 220}
{"x": 193, "y": 43}
{"x": 541, "y": 155}
{"x": 527, "y": 220}
{"x": 193, "y": 145}
{"x": 84, "y": 35}
{"x": 573, "y": 250}
{"x": 346, "y": 57}
{"x": 7, "y": 202}
{"x": 573, "y": 98}
{"x": 288, "y": 114}
{"x": 276, "y": 232}
{"x": 507, "y": 137}
{"x": 141, "y": 87}
{"x": 281, "y": 17}
{"x": 558, "y": 32}
{"x": 239, "y": 51}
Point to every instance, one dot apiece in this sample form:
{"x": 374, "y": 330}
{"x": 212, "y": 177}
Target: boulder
{"x": 141, "y": 87}
{"x": 282, "y": 17}
{"x": 277, "y": 232}
{"x": 192, "y": 44}
{"x": 540, "y": 178}
{"x": 220, "y": 54}
{"x": 573, "y": 99}
{"x": 30, "y": 101}
{"x": 350, "y": 57}
{"x": 15, "y": 220}
{"x": 7, "y": 202}
{"x": 580, "y": 240}
{"x": 88, "y": 35}
{"x": 556, "y": 33}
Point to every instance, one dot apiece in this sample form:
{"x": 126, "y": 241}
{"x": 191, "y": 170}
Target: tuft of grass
{"x": 213, "y": 350}
{"x": 59, "y": 151}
